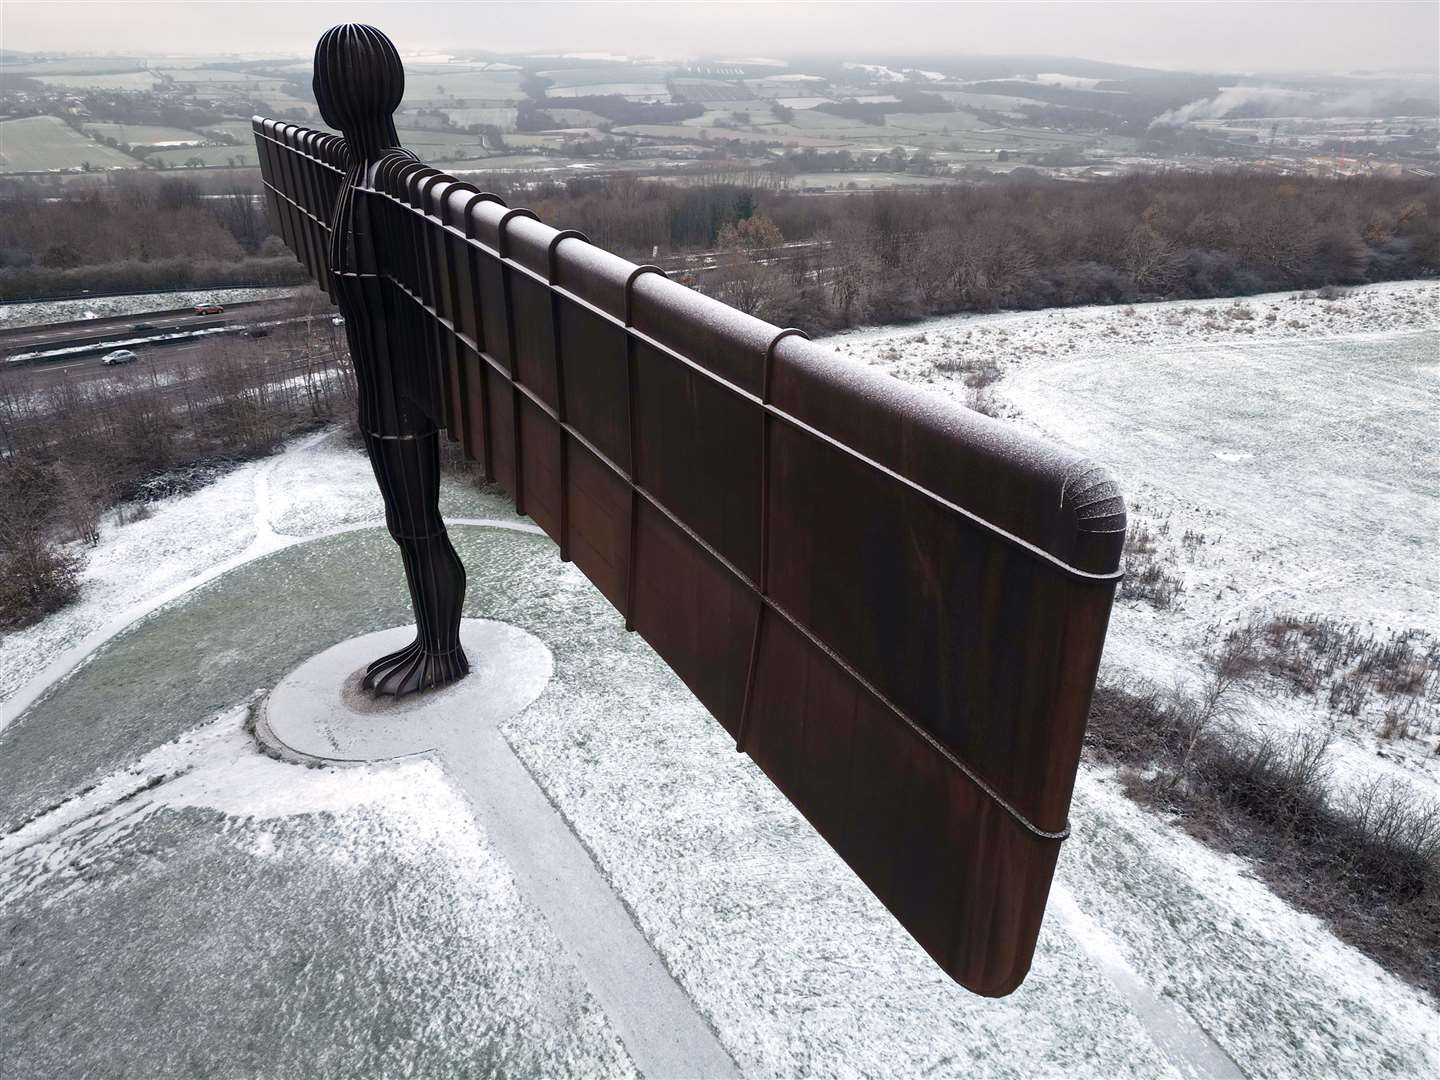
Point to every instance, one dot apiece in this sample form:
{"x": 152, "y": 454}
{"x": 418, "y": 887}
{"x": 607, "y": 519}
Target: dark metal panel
{"x": 596, "y": 379}
{"x": 540, "y": 438}
{"x": 478, "y": 378}
{"x": 466, "y": 314}
{"x": 599, "y": 520}
{"x": 534, "y": 336}
{"x": 695, "y": 612}
{"x": 887, "y": 578}
{"x": 699, "y": 447}
{"x": 720, "y": 339}
{"x": 895, "y": 605}
{"x": 504, "y": 431}
{"x": 494, "y": 319}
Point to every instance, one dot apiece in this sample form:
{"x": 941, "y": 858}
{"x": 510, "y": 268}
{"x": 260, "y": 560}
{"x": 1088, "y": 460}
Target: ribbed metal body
{"x": 895, "y": 605}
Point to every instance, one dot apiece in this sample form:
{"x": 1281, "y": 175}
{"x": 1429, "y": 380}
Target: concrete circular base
{"x": 319, "y": 713}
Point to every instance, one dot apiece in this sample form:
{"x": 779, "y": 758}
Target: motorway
{"x": 176, "y": 331}
{"x": 59, "y": 335}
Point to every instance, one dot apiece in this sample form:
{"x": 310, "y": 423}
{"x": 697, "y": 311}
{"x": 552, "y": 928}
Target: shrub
{"x": 1350, "y": 666}
{"x": 36, "y": 577}
{"x": 1148, "y": 574}
{"x": 1366, "y": 858}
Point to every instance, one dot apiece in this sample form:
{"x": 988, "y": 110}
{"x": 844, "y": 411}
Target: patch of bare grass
{"x": 1347, "y": 667}
{"x": 1150, "y": 574}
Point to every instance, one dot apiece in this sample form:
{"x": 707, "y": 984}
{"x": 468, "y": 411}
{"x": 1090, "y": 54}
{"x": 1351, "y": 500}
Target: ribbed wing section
{"x": 895, "y": 605}
{"x": 303, "y": 172}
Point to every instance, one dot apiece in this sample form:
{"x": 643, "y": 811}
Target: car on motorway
{"x": 118, "y": 356}
{"x": 209, "y": 309}
{"x": 143, "y": 326}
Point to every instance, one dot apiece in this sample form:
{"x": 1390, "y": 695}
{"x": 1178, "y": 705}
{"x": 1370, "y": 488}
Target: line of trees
{"x": 136, "y": 233}
{"x": 885, "y": 257}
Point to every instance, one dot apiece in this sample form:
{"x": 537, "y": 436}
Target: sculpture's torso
{"x": 386, "y": 348}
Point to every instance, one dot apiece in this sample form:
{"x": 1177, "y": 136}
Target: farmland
{"x": 187, "y": 156}
{"x": 144, "y": 134}
{"x": 47, "y": 142}
{"x": 809, "y": 123}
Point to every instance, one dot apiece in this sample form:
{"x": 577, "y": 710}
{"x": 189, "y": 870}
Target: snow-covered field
{"x": 173, "y": 861}
{"x": 1281, "y": 449}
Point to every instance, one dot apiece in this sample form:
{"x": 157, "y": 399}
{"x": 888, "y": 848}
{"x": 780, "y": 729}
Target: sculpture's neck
{"x": 369, "y": 142}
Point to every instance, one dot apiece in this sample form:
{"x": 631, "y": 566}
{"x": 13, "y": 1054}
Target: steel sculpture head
{"x": 895, "y": 605}
{"x": 358, "y": 84}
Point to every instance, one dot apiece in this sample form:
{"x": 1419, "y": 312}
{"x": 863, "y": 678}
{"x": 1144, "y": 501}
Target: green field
{"x": 575, "y": 118}
{"x": 239, "y": 129}
{"x": 208, "y": 155}
{"x": 470, "y": 87}
{"x": 501, "y": 164}
{"x": 132, "y": 80}
{"x": 143, "y": 134}
{"x": 220, "y": 76}
{"x": 866, "y": 181}
{"x": 548, "y": 139}
{"x": 472, "y": 93}
{"x": 76, "y": 65}
{"x": 501, "y": 116}
{"x": 43, "y": 143}
{"x": 648, "y": 91}
{"x": 603, "y": 74}
{"x": 277, "y": 103}
{"x": 440, "y": 145}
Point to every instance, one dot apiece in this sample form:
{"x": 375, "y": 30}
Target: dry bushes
{"x": 139, "y": 232}
{"x": 75, "y": 447}
{"x": 36, "y": 576}
{"x": 1349, "y": 668}
{"x": 1149, "y": 574}
{"x": 1365, "y": 857}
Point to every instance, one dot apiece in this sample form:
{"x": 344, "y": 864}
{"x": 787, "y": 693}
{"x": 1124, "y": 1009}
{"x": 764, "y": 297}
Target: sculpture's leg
{"x": 408, "y": 471}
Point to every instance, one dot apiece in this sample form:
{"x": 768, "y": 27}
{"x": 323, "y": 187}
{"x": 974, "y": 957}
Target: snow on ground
{"x": 1283, "y": 448}
{"x": 1271, "y": 985}
{"x": 204, "y": 876}
{"x": 41, "y": 312}
{"x": 798, "y": 967}
{"x": 318, "y": 484}
{"x": 134, "y": 563}
{"x": 795, "y": 963}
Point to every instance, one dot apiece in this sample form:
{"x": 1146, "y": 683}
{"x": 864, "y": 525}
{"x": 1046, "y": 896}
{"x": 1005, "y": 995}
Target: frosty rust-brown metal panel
{"x": 895, "y": 605}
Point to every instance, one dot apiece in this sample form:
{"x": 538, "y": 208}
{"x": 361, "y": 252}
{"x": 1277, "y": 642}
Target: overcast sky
{"x": 1210, "y": 35}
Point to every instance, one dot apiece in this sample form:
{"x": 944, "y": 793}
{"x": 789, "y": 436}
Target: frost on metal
{"x": 895, "y": 605}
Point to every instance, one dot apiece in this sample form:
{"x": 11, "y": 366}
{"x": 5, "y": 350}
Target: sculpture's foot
{"x": 414, "y": 668}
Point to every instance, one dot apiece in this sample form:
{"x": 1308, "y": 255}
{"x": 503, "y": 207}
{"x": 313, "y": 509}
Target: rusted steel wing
{"x": 895, "y": 605}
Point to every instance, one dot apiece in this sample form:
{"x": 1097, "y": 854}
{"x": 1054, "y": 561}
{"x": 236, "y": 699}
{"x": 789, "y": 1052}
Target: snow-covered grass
{"x": 135, "y": 563}
{"x": 318, "y": 484}
{"x": 798, "y": 967}
{"x": 279, "y": 921}
{"x": 1281, "y": 451}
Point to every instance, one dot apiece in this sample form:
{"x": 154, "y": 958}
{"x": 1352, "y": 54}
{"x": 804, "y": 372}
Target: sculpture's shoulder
{"x": 391, "y": 158}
